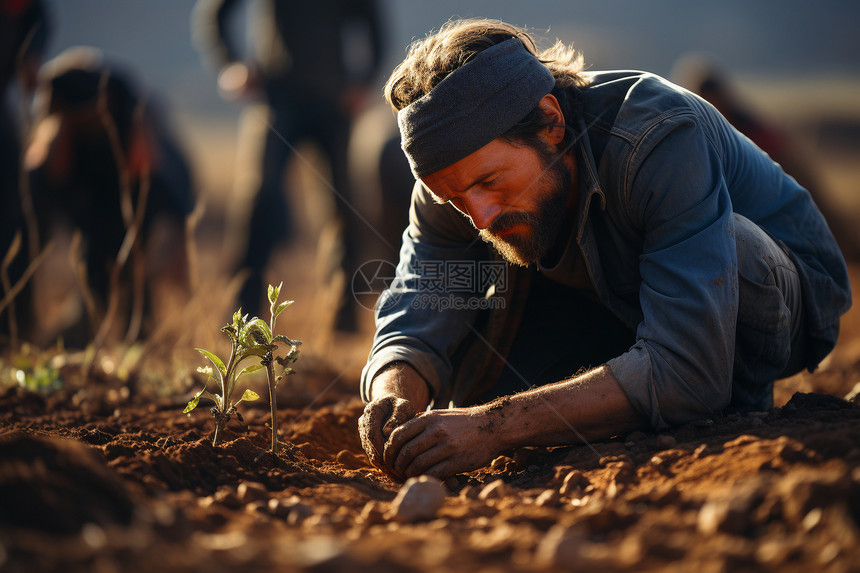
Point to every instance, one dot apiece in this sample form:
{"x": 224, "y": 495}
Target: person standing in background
{"x": 313, "y": 66}
{"x": 24, "y": 31}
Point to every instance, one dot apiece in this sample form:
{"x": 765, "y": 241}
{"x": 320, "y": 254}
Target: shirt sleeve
{"x": 210, "y": 31}
{"x": 680, "y": 367}
{"x": 420, "y": 319}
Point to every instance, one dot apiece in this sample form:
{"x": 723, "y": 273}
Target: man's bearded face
{"x": 523, "y": 237}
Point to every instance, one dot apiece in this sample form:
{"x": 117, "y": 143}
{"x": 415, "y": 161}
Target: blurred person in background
{"x": 99, "y": 141}
{"x": 313, "y": 66}
{"x": 24, "y": 31}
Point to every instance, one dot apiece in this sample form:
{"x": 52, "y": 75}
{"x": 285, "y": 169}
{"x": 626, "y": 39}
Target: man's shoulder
{"x": 629, "y": 102}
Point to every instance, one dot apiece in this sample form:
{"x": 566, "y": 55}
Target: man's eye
{"x": 491, "y": 182}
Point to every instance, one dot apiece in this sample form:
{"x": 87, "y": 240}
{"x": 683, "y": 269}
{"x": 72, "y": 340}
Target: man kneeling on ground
{"x": 658, "y": 267}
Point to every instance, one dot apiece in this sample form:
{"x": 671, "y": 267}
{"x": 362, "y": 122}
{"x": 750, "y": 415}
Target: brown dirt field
{"x": 108, "y": 475}
{"x": 103, "y": 476}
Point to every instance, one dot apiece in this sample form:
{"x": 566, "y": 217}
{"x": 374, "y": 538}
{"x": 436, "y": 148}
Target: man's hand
{"x": 442, "y": 443}
{"x": 379, "y": 419}
{"x": 396, "y": 393}
{"x": 239, "y": 80}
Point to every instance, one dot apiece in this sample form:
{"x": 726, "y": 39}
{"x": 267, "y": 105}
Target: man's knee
{"x": 770, "y": 317}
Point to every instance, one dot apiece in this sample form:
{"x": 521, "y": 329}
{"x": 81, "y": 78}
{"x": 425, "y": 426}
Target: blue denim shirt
{"x": 661, "y": 173}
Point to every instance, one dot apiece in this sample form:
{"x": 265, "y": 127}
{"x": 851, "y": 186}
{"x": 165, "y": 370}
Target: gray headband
{"x": 472, "y": 106}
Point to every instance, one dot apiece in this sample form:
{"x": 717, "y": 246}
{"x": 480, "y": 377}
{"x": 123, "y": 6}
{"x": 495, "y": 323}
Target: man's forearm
{"x": 589, "y": 406}
{"x": 401, "y": 380}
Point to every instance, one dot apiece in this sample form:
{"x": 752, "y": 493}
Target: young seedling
{"x": 253, "y": 339}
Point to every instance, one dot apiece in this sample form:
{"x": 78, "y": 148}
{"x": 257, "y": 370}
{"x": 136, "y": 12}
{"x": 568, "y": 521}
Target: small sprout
{"x": 249, "y": 337}
{"x": 248, "y": 396}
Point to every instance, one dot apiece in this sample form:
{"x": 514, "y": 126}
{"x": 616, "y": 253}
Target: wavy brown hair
{"x": 430, "y": 60}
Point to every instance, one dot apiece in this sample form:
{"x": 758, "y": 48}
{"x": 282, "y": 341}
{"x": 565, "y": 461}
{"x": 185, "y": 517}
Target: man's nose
{"x": 482, "y": 210}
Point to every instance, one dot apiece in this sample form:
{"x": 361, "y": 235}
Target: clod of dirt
{"x": 291, "y": 509}
{"x": 665, "y": 441}
{"x": 419, "y": 499}
{"x": 58, "y": 485}
{"x": 805, "y": 490}
{"x": 548, "y": 497}
{"x": 567, "y": 548}
{"x": 371, "y": 514}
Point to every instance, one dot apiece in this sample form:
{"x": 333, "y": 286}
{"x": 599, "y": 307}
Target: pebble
{"x": 493, "y": 490}
{"x": 418, "y": 499}
{"x": 250, "y": 491}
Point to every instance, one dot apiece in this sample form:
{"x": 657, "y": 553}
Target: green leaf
{"x": 217, "y": 362}
{"x": 282, "y": 307}
{"x": 275, "y": 292}
{"x": 259, "y": 325}
{"x": 251, "y": 368}
{"x": 249, "y": 396}
{"x": 191, "y": 404}
{"x": 230, "y": 331}
{"x": 256, "y": 351}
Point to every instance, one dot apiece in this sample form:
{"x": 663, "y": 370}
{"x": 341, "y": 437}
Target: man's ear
{"x": 552, "y": 110}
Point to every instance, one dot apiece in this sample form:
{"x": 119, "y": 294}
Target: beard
{"x": 543, "y": 225}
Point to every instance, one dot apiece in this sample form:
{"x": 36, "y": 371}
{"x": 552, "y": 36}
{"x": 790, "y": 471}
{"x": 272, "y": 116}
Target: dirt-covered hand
{"x": 442, "y": 443}
{"x": 379, "y": 419}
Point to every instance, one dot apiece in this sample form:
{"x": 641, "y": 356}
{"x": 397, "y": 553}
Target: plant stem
{"x": 216, "y": 441}
{"x": 273, "y": 402}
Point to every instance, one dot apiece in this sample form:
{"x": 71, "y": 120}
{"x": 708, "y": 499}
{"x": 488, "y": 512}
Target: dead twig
{"x": 11, "y": 253}
{"x": 28, "y": 272}
{"x": 76, "y": 260}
